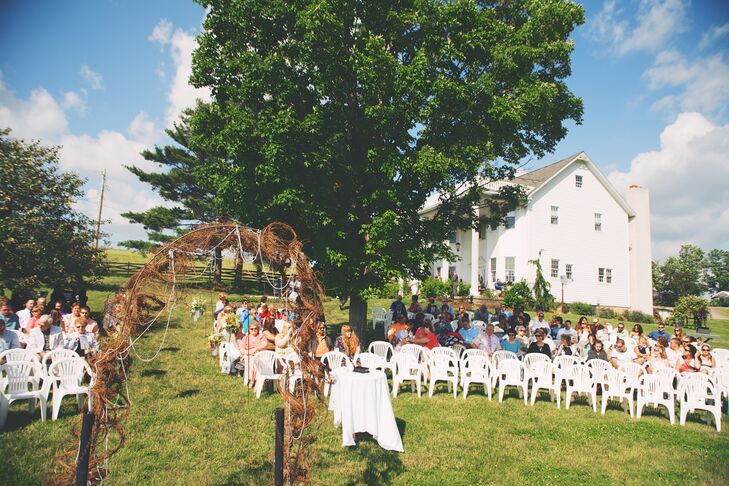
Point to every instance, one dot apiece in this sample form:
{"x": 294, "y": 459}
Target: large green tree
{"x": 680, "y": 275}
{"x": 45, "y": 242}
{"x": 341, "y": 117}
{"x": 717, "y": 270}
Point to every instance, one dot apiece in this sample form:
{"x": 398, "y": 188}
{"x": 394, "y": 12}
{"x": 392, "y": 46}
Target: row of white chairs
{"x": 23, "y": 376}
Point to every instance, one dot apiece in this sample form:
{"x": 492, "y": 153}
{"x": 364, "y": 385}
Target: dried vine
{"x": 148, "y": 298}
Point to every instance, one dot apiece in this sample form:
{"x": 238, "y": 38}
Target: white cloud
{"x": 38, "y": 117}
{"x": 655, "y": 22}
{"x": 41, "y": 117}
{"x": 716, "y": 32}
{"x": 143, "y": 129}
{"x": 74, "y": 101}
{"x": 161, "y": 32}
{"x": 687, "y": 179}
{"x": 94, "y": 79}
{"x": 703, "y": 82}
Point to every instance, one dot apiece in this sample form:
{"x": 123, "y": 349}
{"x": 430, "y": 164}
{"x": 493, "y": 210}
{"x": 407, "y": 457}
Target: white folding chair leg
{"x": 3, "y": 410}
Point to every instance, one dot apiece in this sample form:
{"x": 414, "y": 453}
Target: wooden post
{"x": 82, "y": 465}
{"x": 279, "y": 448}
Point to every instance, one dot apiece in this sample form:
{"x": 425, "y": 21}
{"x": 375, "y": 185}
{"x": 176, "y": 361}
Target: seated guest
{"x": 400, "y": 324}
{"x": 246, "y": 316}
{"x": 688, "y": 362}
{"x": 69, "y": 320}
{"x": 398, "y": 308}
{"x": 443, "y": 324}
{"x": 555, "y": 325}
{"x": 264, "y": 312}
{"x": 447, "y": 307}
{"x": 567, "y": 329}
{"x": 8, "y": 338}
{"x": 269, "y": 332}
{"x": 539, "y": 345}
{"x": 252, "y": 343}
{"x": 432, "y": 307}
{"x": 33, "y": 322}
{"x": 402, "y": 336}
{"x": 44, "y": 337}
{"x": 566, "y": 348}
{"x": 705, "y": 359}
{"x": 414, "y": 305}
{"x": 323, "y": 342}
{"x": 658, "y": 358}
{"x": 538, "y": 323}
{"x": 81, "y": 341}
{"x": 481, "y": 314}
{"x": 462, "y": 313}
{"x": 584, "y": 347}
{"x": 487, "y": 341}
{"x": 636, "y": 332}
{"x": 522, "y": 337}
{"x": 511, "y": 343}
{"x": 348, "y": 342}
{"x": 220, "y": 304}
{"x": 621, "y": 331}
{"x": 678, "y": 333}
{"x": 597, "y": 352}
{"x": 283, "y": 338}
{"x": 661, "y": 331}
{"x": 425, "y": 336}
{"x": 642, "y": 350}
{"x": 602, "y": 334}
{"x": 12, "y": 323}
{"x": 57, "y": 318}
{"x": 467, "y": 332}
{"x": 25, "y": 314}
{"x": 674, "y": 352}
{"x": 621, "y": 354}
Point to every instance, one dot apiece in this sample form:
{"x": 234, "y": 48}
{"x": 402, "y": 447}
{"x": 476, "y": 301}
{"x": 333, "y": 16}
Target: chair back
{"x": 599, "y": 367}
{"x": 405, "y": 364}
{"x": 531, "y": 358}
{"x": 503, "y": 355}
{"x": 459, "y": 349}
{"x": 264, "y": 362}
{"x": 612, "y": 379}
{"x": 476, "y": 365}
{"x": 381, "y": 348}
{"x": 581, "y": 377}
{"x": 442, "y": 363}
{"x": 564, "y": 362}
{"x": 57, "y": 354}
{"x": 542, "y": 371}
{"x": 369, "y": 360}
{"x": 378, "y": 313}
{"x": 20, "y": 376}
{"x": 633, "y": 372}
{"x": 445, "y": 351}
{"x": 19, "y": 354}
{"x": 669, "y": 376}
{"x": 511, "y": 370}
{"x": 696, "y": 389}
{"x": 69, "y": 372}
{"x": 414, "y": 349}
{"x": 720, "y": 355}
{"x": 335, "y": 360}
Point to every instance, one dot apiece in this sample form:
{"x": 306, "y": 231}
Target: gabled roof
{"x": 540, "y": 177}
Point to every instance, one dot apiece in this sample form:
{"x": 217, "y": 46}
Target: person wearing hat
{"x": 45, "y": 337}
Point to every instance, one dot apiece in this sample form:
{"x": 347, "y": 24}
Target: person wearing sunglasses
{"x": 706, "y": 359}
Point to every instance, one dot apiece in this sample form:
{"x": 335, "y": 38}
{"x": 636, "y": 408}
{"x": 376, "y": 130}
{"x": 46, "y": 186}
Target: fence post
{"x": 82, "y": 465}
{"x": 278, "y": 450}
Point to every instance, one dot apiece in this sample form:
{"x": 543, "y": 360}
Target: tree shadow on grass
{"x": 260, "y": 474}
{"x": 154, "y": 373}
{"x": 170, "y": 349}
{"x": 188, "y": 393}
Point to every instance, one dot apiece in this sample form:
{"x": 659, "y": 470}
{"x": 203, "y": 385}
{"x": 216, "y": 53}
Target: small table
{"x": 361, "y": 403}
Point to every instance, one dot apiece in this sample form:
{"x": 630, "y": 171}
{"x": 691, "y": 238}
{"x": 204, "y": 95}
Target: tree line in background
{"x": 691, "y": 273}
{"x": 45, "y": 242}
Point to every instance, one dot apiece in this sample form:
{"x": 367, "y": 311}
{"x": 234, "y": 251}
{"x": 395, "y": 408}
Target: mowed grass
{"x": 189, "y": 424}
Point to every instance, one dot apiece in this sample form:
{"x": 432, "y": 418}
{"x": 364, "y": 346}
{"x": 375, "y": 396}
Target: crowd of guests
{"x": 42, "y": 328}
{"x": 441, "y": 325}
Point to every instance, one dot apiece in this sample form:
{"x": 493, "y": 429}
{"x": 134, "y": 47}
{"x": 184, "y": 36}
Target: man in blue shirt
{"x": 398, "y": 308}
{"x": 661, "y": 331}
{"x": 467, "y": 332}
{"x": 11, "y": 320}
{"x": 8, "y": 339}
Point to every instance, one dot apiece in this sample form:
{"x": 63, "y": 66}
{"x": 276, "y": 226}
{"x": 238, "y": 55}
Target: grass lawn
{"x": 189, "y": 424}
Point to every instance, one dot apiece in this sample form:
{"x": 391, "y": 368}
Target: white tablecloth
{"x": 361, "y": 403}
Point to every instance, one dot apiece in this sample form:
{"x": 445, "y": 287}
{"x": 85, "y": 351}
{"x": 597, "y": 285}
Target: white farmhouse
{"x": 579, "y": 227}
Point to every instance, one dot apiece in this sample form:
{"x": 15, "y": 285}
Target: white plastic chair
{"x": 443, "y": 367}
{"x": 475, "y": 368}
{"x": 420, "y": 354}
{"x": 510, "y": 372}
{"x": 56, "y": 354}
{"x": 444, "y": 351}
{"x": 720, "y": 376}
{"x": 334, "y": 360}
{"x": 720, "y": 355}
{"x": 407, "y": 368}
{"x": 541, "y": 375}
{"x": 598, "y": 368}
{"x": 696, "y": 391}
{"x": 19, "y": 382}
{"x": 379, "y": 315}
{"x": 480, "y": 325}
{"x": 66, "y": 376}
{"x": 655, "y": 392}
{"x": 530, "y": 359}
{"x": 384, "y": 350}
{"x": 265, "y": 362}
{"x": 500, "y": 356}
{"x": 633, "y": 372}
{"x": 459, "y": 349}
{"x": 19, "y": 354}
{"x": 369, "y": 360}
{"x": 224, "y": 358}
{"x": 614, "y": 386}
{"x": 579, "y": 381}
{"x": 562, "y": 365}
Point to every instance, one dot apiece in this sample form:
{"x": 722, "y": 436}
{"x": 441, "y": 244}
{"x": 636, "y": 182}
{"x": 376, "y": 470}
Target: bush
{"x": 435, "y": 288}
{"x": 519, "y": 295}
{"x": 638, "y": 316}
{"x": 690, "y": 307}
{"x": 582, "y": 308}
{"x": 464, "y": 289}
{"x": 606, "y": 313}
{"x": 488, "y": 294}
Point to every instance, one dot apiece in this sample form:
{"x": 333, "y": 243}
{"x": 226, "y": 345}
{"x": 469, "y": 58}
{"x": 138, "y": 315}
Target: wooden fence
{"x": 199, "y": 274}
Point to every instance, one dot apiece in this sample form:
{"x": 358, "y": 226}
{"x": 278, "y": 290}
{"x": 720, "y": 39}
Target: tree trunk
{"x": 217, "y": 267}
{"x": 358, "y": 315}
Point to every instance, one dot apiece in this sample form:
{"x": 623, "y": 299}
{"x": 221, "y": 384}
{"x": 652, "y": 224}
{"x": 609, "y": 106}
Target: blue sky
{"x": 103, "y": 78}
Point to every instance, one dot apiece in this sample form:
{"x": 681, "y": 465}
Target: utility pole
{"x": 101, "y": 204}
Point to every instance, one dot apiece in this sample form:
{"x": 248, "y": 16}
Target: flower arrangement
{"x": 197, "y": 305}
{"x": 232, "y": 324}
{"x": 215, "y": 339}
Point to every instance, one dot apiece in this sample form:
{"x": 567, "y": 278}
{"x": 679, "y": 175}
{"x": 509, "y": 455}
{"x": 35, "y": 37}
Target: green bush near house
{"x": 581, "y": 308}
{"x": 637, "y": 316}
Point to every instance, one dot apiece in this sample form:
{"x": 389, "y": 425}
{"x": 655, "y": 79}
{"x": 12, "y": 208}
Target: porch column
{"x": 475, "y": 256}
{"x": 444, "y": 270}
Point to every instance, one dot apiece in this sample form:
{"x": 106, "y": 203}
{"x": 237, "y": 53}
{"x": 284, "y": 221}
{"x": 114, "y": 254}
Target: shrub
{"x": 582, "y": 308}
{"x": 690, "y": 307}
{"x": 488, "y": 294}
{"x": 606, "y": 313}
{"x": 519, "y": 295}
{"x": 638, "y": 316}
{"x": 435, "y": 288}
{"x": 464, "y": 289}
